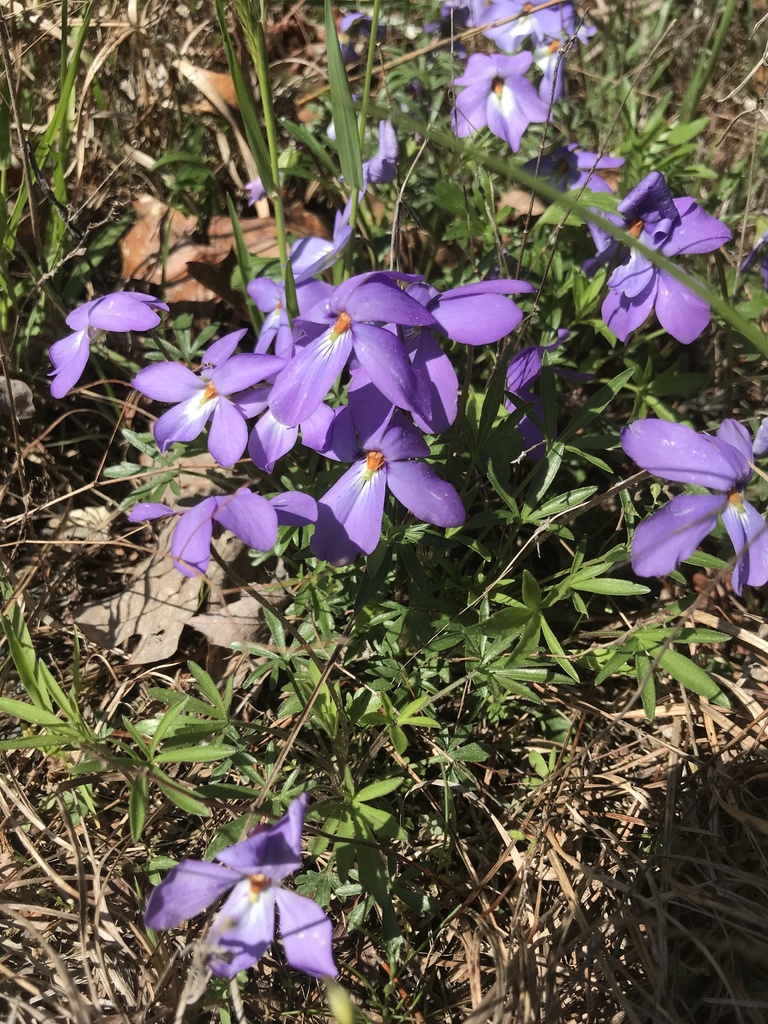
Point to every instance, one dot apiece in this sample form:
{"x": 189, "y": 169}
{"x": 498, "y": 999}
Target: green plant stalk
{"x": 364, "y": 116}
{"x": 257, "y": 39}
{"x": 704, "y": 66}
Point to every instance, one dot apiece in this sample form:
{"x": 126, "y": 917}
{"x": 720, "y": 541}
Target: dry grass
{"x": 639, "y": 893}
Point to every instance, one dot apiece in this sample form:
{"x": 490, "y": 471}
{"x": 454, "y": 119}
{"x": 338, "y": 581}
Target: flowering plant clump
{"x": 252, "y": 872}
{"x": 414, "y": 418}
{"x": 723, "y": 464}
{"x": 636, "y": 287}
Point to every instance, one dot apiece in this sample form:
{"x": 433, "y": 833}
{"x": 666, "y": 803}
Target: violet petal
{"x": 243, "y": 930}
{"x": 167, "y": 382}
{"x": 676, "y": 452}
{"x": 185, "y": 891}
{"x": 749, "y": 535}
{"x": 306, "y": 934}
{"x": 424, "y": 494}
{"x": 674, "y": 532}
{"x": 251, "y": 518}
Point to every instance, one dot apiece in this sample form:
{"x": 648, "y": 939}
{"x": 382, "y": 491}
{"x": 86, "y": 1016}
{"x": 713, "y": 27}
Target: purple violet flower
{"x": 249, "y": 516}
{"x": 571, "y": 167}
{"x": 255, "y": 191}
{"x": 118, "y": 311}
{"x": 269, "y": 297}
{"x": 723, "y": 464}
{"x": 636, "y": 287}
{"x": 550, "y": 59}
{"x": 310, "y": 256}
{"x": 382, "y": 168}
{"x": 455, "y": 16}
{"x": 497, "y": 95}
{"x": 345, "y": 323}
{"x": 270, "y": 439}
{"x": 387, "y": 451}
{"x": 540, "y": 26}
{"x": 222, "y": 392}
{"x": 438, "y": 383}
{"x": 750, "y": 258}
{"x": 244, "y": 927}
{"x": 523, "y": 371}
{"x": 352, "y": 27}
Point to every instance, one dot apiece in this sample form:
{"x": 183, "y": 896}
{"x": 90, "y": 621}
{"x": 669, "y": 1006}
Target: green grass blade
{"x": 253, "y": 132}
{"x": 344, "y": 117}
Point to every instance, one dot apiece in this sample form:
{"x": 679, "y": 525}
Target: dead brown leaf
{"x": 238, "y": 622}
{"x": 154, "y": 608}
{"x": 19, "y": 400}
{"x": 519, "y": 202}
{"x": 159, "y": 229}
{"x": 162, "y": 247}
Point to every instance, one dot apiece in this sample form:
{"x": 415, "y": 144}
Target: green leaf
{"x": 503, "y": 624}
{"x": 692, "y": 677}
{"x": 646, "y": 678}
{"x": 595, "y": 405}
{"x": 556, "y": 649}
{"x": 473, "y": 752}
{"x": 210, "y": 752}
{"x": 377, "y": 789}
{"x": 543, "y": 479}
{"x": 137, "y": 807}
{"x": 29, "y": 713}
{"x": 531, "y": 591}
{"x": 165, "y": 725}
{"x": 410, "y": 715}
{"x": 37, "y": 680}
{"x": 182, "y": 799}
{"x": 207, "y": 687}
{"x": 615, "y": 588}
{"x": 245, "y": 101}
{"x": 616, "y": 662}
{"x": 563, "y": 502}
{"x": 342, "y": 106}
{"x": 683, "y": 133}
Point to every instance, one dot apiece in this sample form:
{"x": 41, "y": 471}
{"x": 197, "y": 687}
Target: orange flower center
{"x": 735, "y": 498}
{"x": 374, "y": 461}
{"x": 342, "y": 324}
{"x": 554, "y": 46}
{"x": 635, "y": 228}
{"x": 498, "y": 86}
{"x": 258, "y": 884}
{"x": 210, "y": 392}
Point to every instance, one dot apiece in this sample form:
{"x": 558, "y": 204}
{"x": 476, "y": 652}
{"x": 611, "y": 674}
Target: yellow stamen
{"x": 258, "y": 884}
{"x": 210, "y": 392}
{"x": 374, "y": 461}
{"x": 343, "y": 324}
